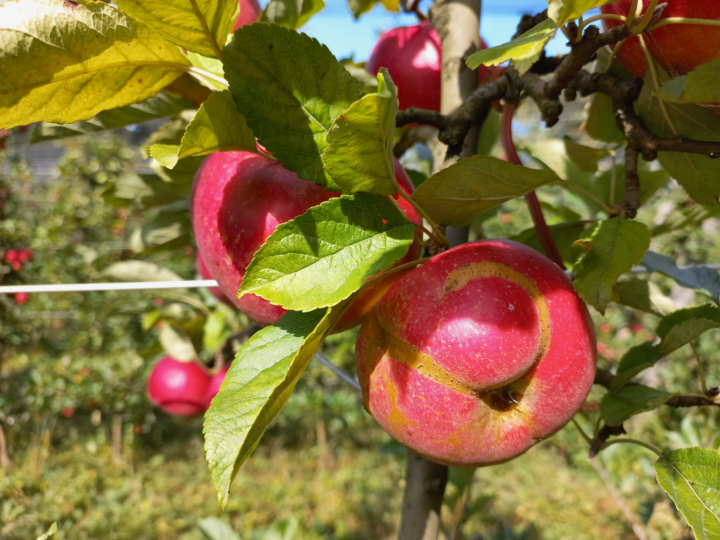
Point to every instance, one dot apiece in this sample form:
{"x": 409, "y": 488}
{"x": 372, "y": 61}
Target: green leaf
{"x": 460, "y": 193}
{"x": 600, "y": 123}
{"x": 291, "y": 13}
{"x": 523, "y": 50}
{"x": 359, "y": 7}
{"x": 685, "y": 218}
{"x": 691, "y": 477}
{"x": 616, "y": 407}
{"x": 635, "y": 360}
{"x": 256, "y": 388}
{"x": 697, "y": 277}
{"x": 615, "y": 246}
{"x": 359, "y": 156}
{"x": 209, "y": 64}
{"x": 326, "y": 254}
{"x": 201, "y": 26}
{"x": 562, "y": 11}
{"x": 643, "y": 295}
{"x": 699, "y": 175}
{"x": 50, "y": 532}
{"x": 162, "y": 105}
{"x": 217, "y": 127}
{"x": 650, "y": 182}
{"x": 85, "y": 58}
{"x": 215, "y": 529}
{"x": 585, "y": 157}
{"x": 684, "y": 325}
{"x": 290, "y": 89}
{"x": 698, "y": 86}
{"x": 564, "y": 235}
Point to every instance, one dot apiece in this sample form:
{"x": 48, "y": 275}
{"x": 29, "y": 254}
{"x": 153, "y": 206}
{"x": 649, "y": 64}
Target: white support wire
{"x": 192, "y": 284}
{"x": 120, "y": 286}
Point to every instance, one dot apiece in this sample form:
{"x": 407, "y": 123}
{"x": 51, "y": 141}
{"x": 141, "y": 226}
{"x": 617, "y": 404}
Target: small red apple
{"x": 477, "y": 355}
{"x": 179, "y": 388}
{"x": 25, "y": 254}
{"x": 11, "y": 256}
{"x": 412, "y": 55}
{"x": 215, "y": 384}
{"x": 21, "y": 297}
{"x": 679, "y": 48}
{"x": 16, "y": 265}
{"x": 238, "y": 200}
{"x": 68, "y": 412}
{"x": 249, "y": 13}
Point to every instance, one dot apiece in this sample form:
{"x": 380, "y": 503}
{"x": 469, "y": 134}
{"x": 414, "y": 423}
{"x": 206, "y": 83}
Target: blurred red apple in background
{"x": 412, "y": 55}
{"x": 249, "y": 13}
{"x": 179, "y": 388}
{"x": 215, "y": 384}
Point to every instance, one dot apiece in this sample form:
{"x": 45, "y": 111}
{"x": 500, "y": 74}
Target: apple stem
{"x": 596, "y": 18}
{"x": 632, "y": 13}
{"x": 543, "y": 232}
{"x": 439, "y": 236}
{"x": 701, "y": 371}
{"x": 646, "y": 19}
{"x": 650, "y": 61}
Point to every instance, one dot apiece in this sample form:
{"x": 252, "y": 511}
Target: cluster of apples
{"x": 484, "y": 350}
{"x": 183, "y": 388}
{"x": 16, "y": 259}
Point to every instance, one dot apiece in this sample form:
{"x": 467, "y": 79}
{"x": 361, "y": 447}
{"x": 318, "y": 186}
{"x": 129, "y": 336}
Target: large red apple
{"x": 679, "y": 48}
{"x": 205, "y": 274}
{"x": 179, "y": 388}
{"x": 249, "y": 13}
{"x": 238, "y": 199}
{"x": 477, "y": 355}
{"x": 413, "y": 57}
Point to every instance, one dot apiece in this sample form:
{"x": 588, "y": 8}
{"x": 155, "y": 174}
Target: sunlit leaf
{"x": 201, "y": 26}
{"x": 323, "y": 256}
{"x": 88, "y": 59}
{"x": 523, "y": 50}
{"x": 585, "y": 157}
{"x": 256, "y": 388}
{"x": 359, "y": 156}
{"x": 217, "y": 127}
{"x": 643, "y": 295}
{"x": 561, "y": 11}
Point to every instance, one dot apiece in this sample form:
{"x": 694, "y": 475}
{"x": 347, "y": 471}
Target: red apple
{"x": 477, "y": 355}
{"x": 16, "y": 265}
{"x": 249, "y": 13}
{"x": 68, "y": 412}
{"x": 238, "y": 199}
{"x": 11, "y": 256}
{"x": 679, "y": 48}
{"x": 25, "y": 254}
{"x": 21, "y": 297}
{"x": 215, "y": 384}
{"x": 205, "y": 274}
{"x": 412, "y": 55}
{"x": 179, "y": 388}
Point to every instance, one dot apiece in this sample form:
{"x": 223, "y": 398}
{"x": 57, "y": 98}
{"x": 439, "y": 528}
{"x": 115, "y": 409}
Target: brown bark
{"x": 4, "y": 458}
{"x": 425, "y": 483}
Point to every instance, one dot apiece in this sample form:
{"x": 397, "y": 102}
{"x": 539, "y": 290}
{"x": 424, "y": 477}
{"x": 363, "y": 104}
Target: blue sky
{"x": 336, "y": 28}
